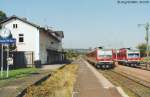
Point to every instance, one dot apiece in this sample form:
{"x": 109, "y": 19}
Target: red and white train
{"x": 127, "y": 56}
{"x": 102, "y": 58}
{"x": 106, "y": 58}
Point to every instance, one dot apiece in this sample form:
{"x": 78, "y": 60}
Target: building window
{"x": 15, "y": 26}
{"x": 52, "y": 42}
{"x": 21, "y": 38}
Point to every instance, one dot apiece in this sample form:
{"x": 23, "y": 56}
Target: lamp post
{"x": 146, "y": 26}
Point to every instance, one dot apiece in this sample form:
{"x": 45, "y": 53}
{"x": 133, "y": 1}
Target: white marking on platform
{"x": 120, "y": 90}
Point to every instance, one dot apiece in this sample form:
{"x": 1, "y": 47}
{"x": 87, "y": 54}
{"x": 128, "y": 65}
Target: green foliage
{"x": 142, "y": 47}
{"x": 20, "y": 72}
{"x": 2, "y": 15}
{"x": 146, "y": 59}
{"x": 71, "y": 55}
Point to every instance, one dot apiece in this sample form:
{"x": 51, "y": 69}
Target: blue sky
{"x": 86, "y": 23}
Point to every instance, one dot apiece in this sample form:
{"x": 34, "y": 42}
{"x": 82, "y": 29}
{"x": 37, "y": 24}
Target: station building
{"x": 34, "y": 44}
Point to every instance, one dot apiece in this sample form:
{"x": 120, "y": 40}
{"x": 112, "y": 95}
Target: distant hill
{"x": 81, "y": 51}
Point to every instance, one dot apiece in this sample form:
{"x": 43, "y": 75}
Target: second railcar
{"x": 127, "y": 56}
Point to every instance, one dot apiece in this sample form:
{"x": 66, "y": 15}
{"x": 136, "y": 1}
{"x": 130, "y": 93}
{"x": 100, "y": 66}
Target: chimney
{"x": 24, "y": 18}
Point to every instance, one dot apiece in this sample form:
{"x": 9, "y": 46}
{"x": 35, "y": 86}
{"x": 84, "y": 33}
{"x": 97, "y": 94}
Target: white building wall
{"x": 43, "y": 46}
{"x": 31, "y": 36}
{"x": 46, "y": 43}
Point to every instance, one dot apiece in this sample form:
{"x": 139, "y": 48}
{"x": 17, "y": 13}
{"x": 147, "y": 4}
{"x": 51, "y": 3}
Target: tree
{"x": 143, "y": 48}
{"x": 71, "y": 54}
{"x": 2, "y": 16}
{"x": 147, "y": 27}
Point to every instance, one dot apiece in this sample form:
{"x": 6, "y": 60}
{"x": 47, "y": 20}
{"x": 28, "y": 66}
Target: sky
{"x": 86, "y": 23}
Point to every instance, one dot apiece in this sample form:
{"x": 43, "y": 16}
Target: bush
{"x": 146, "y": 59}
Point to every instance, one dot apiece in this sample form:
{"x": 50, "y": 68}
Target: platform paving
{"x": 88, "y": 84}
{"x": 51, "y": 66}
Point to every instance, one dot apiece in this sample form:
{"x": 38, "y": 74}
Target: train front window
{"x": 105, "y": 56}
{"x": 133, "y": 55}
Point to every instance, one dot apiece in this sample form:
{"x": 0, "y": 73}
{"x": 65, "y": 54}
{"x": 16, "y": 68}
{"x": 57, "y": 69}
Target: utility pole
{"x": 147, "y": 37}
{"x": 146, "y": 26}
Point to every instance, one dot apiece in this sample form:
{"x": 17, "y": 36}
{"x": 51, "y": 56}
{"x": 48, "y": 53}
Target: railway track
{"x": 136, "y": 86}
{"x": 138, "y": 67}
{"x": 144, "y": 68}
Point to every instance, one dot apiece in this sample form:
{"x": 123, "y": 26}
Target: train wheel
{"x": 135, "y": 65}
{"x": 103, "y": 66}
{"x": 98, "y": 66}
{"x": 107, "y": 66}
{"x": 132, "y": 65}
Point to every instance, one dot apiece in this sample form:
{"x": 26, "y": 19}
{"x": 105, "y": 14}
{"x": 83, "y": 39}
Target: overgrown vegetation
{"x": 60, "y": 84}
{"x": 19, "y": 73}
{"x": 146, "y": 59}
{"x": 71, "y": 55}
{"x": 142, "y": 47}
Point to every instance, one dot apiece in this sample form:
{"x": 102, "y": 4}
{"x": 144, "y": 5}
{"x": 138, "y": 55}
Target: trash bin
{"x": 38, "y": 64}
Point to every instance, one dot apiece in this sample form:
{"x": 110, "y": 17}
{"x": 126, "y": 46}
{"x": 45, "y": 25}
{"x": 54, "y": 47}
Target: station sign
{"x": 10, "y": 61}
{"x": 8, "y": 41}
{"x": 6, "y": 38}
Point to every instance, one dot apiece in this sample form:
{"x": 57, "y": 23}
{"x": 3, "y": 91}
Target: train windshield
{"x": 105, "y": 54}
{"x": 133, "y": 55}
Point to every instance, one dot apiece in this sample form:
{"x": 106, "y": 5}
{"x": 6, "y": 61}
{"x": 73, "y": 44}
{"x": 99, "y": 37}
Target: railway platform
{"x": 90, "y": 83}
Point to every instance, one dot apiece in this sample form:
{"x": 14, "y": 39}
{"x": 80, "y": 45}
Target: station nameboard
{"x": 7, "y": 41}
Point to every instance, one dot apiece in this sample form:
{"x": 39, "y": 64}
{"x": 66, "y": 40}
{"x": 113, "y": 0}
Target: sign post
{"x": 2, "y": 61}
{"x": 7, "y": 40}
{"x": 7, "y": 60}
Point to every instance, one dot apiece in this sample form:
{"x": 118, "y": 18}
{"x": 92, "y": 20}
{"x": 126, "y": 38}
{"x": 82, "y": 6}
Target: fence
{"x": 21, "y": 59}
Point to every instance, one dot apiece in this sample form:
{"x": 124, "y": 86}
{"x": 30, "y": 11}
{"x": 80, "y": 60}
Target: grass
{"x": 18, "y": 73}
{"x": 60, "y": 84}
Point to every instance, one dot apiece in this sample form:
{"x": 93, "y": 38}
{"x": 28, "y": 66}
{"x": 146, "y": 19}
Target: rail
{"x": 138, "y": 87}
